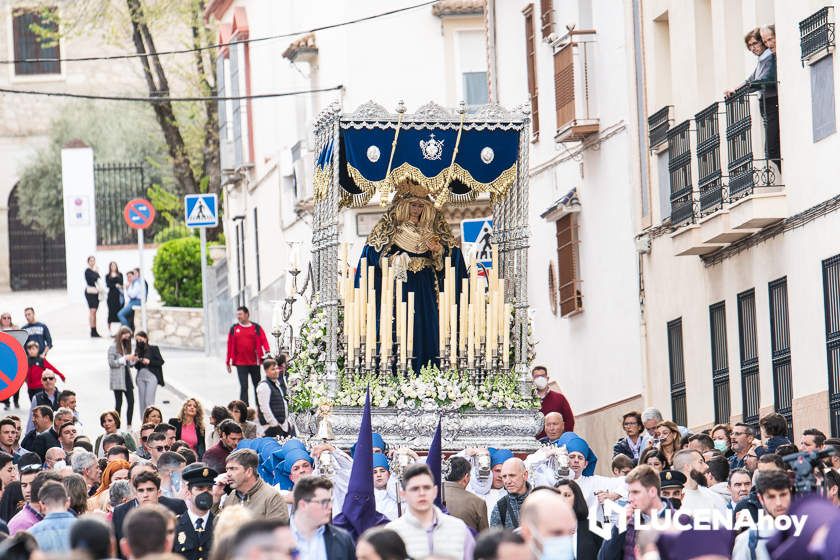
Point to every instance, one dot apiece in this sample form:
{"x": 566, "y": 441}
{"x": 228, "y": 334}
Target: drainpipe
{"x": 644, "y": 176}
{"x": 490, "y": 23}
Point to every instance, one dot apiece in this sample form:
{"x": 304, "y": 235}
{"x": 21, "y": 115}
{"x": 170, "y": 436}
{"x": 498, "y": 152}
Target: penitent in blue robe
{"x": 425, "y": 288}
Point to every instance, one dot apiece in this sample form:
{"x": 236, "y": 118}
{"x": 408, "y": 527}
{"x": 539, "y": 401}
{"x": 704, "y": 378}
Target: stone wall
{"x": 176, "y": 327}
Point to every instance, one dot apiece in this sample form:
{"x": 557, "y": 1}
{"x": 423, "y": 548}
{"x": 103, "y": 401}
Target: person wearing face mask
{"x": 551, "y": 400}
{"x": 549, "y": 526}
{"x": 149, "y": 367}
{"x": 194, "y": 529}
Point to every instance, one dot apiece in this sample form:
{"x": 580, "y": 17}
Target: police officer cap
{"x": 198, "y": 473}
{"x": 671, "y": 479}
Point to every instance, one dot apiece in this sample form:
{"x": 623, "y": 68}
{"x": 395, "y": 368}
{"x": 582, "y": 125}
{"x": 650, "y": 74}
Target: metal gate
{"x": 36, "y": 262}
{"x": 116, "y": 184}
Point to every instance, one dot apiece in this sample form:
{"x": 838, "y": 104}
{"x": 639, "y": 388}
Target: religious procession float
{"x": 432, "y": 332}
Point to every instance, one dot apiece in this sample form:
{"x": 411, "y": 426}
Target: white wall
{"x": 79, "y": 238}
{"x": 596, "y": 355}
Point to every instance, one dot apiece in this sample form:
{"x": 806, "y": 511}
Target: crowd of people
{"x": 234, "y": 482}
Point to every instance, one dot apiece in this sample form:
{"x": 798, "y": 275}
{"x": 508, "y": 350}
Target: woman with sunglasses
{"x": 6, "y": 322}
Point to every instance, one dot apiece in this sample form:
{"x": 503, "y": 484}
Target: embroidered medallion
{"x": 487, "y": 154}
{"x": 431, "y": 148}
{"x": 182, "y": 538}
{"x": 373, "y": 154}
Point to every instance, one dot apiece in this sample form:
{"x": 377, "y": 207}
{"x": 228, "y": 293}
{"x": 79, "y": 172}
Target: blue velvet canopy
{"x": 486, "y": 158}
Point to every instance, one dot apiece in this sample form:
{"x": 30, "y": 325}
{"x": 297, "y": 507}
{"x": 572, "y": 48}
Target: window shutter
{"x": 531, "y": 66}
{"x": 28, "y": 45}
{"x": 571, "y": 299}
{"x": 547, "y": 17}
{"x": 564, "y": 86}
{"x": 220, "y": 91}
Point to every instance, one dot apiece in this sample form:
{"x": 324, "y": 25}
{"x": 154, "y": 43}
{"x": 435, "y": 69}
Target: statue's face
{"x": 415, "y": 210}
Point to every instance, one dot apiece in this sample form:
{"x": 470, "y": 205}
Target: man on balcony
{"x": 763, "y": 80}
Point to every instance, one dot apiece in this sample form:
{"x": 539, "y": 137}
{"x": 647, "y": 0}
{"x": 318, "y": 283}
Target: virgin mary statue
{"x": 415, "y": 237}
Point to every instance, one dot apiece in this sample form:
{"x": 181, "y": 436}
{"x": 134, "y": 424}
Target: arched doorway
{"x": 36, "y": 262}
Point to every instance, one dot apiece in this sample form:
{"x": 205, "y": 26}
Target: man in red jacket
{"x": 552, "y": 401}
{"x": 247, "y": 344}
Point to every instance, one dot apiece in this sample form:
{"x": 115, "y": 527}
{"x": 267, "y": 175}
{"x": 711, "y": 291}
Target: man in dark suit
{"x": 42, "y": 420}
{"x": 310, "y": 521}
{"x": 194, "y": 530}
{"x": 49, "y": 438}
{"x": 147, "y": 488}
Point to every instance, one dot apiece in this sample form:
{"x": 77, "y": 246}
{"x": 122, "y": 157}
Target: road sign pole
{"x": 202, "y": 235}
{"x": 142, "y": 279}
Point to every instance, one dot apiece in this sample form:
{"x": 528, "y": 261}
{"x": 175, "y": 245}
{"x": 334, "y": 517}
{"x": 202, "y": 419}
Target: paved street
{"x": 83, "y": 360}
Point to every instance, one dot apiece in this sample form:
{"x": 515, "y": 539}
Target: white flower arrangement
{"x": 430, "y": 389}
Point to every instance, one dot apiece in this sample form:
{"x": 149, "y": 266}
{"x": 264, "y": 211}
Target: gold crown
{"x": 410, "y": 188}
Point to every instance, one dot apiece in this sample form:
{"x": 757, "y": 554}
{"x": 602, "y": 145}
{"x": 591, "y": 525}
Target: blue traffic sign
{"x": 13, "y": 365}
{"x": 201, "y": 210}
{"x": 477, "y": 238}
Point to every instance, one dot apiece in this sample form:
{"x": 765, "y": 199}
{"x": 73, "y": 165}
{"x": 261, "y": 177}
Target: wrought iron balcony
{"x": 746, "y": 172}
{"x": 679, "y": 170}
{"x": 710, "y": 176}
{"x": 816, "y": 35}
{"x": 658, "y": 125}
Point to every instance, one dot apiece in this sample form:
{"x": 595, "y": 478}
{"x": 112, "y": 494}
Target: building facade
{"x": 432, "y": 53}
{"x": 575, "y": 62}
{"x": 741, "y": 281}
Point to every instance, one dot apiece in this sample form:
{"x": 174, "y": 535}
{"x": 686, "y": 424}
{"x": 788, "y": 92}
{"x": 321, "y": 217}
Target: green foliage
{"x": 173, "y": 231}
{"x": 177, "y": 270}
{"x": 128, "y": 135}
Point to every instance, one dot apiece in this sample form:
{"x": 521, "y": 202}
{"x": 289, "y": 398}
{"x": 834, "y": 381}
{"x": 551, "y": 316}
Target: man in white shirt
{"x": 582, "y": 461}
{"x": 272, "y": 406}
{"x": 690, "y": 462}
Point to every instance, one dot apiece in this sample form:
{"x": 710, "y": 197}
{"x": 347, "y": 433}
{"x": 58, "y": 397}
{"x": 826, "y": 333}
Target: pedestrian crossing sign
{"x": 201, "y": 210}
{"x": 477, "y": 239}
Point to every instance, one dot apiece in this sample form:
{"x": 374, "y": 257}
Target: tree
{"x": 129, "y": 135}
{"x": 190, "y": 129}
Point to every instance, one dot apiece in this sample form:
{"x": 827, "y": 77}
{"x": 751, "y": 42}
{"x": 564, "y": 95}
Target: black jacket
{"x": 43, "y": 399}
{"x": 588, "y": 543}
{"x": 192, "y": 544}
{"x": 155, "y": 362}
{"x": 174, "y": 505}
{"x": 200, "y": 447}
{"x": 43, "y": 442}
{"x": 339, "y": 543}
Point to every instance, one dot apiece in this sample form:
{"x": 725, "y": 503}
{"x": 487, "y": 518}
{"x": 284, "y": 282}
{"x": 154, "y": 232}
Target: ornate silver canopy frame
{"x": 510, "y": 212}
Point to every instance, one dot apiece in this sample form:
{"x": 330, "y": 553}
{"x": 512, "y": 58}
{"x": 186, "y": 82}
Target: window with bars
{"x": 720, "y": 363}
{"x": 748, "y": 350}
{"x": 679, "y": 170}
{"x": 29, "y": 44}
{"x": 676, "y": 366}
{"x": 780, "y": 347}
{"x": 531, "y": 67}
{"x": 709, "y": 181}
{"x": 831, "y": 295}
{"x": 547, "y": 17}
{"x": 568, "y": 247}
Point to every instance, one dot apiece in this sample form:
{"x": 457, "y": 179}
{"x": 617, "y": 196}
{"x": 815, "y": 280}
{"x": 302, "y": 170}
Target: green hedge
{"x": 177, "y": 270}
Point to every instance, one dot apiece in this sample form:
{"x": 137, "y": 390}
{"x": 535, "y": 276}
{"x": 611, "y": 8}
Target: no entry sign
{"x": 139, "y": 213}
{"x": 13, "y": 365}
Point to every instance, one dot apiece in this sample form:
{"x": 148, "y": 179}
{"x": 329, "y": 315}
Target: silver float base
{"x": 511, "y": 429}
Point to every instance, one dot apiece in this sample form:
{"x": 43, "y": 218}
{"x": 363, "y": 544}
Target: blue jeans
{"x": 122, "y": 315}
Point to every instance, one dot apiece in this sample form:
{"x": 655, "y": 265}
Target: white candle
{"x": 410, "y": 326}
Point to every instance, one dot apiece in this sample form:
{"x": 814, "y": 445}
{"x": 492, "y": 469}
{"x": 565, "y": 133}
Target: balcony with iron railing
{"x": 736, "y": 189}
{"x": 816, "y": 35}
